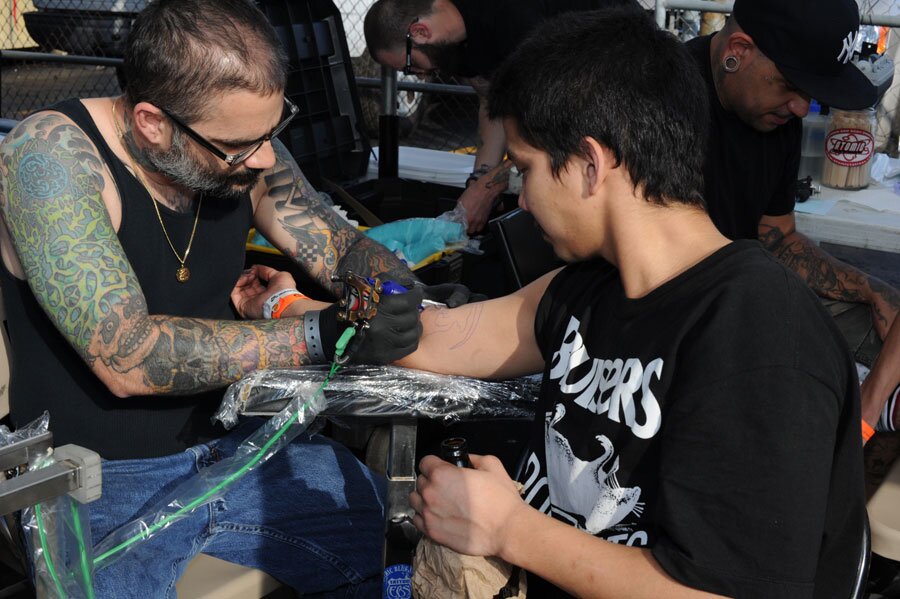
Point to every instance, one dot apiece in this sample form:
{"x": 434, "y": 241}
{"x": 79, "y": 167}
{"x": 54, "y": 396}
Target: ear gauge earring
{"x": 731, "y": 63}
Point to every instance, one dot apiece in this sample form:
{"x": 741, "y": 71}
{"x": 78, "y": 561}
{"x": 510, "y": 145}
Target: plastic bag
{"x": 57, "y": 532}
{"x": 363, "y": 390}
{"x": 414, "y": 239}
{"x": 212, "y": 482}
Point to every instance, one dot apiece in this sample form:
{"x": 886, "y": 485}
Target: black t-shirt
{"x": 747, "y": 173}
{"x": 715, "y": 420}
{"x": 494, "y": 29}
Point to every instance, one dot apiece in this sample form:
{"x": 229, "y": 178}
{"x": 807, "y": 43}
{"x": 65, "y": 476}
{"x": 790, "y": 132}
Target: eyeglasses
{"x": 234, "y": 159}
{"x": 408, "y": 69}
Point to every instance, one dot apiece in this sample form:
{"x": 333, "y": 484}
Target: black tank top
{"x": 47, "y": 374}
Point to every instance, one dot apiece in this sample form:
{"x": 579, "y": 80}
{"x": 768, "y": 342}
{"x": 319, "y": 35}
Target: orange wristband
{"x": 867, "y": 431}
{"x": 284, "y": 302}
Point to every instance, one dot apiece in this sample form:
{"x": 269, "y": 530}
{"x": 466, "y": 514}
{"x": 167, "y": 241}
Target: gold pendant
{"x": 182, "y": 274}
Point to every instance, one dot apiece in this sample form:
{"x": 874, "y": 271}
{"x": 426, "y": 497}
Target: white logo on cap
{"x": 849, "y": 44}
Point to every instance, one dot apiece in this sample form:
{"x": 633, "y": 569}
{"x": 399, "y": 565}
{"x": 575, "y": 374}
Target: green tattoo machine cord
{"x": 340, "y": 348}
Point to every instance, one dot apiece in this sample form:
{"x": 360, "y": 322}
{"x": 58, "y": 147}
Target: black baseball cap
{"x": 811, "y": 42}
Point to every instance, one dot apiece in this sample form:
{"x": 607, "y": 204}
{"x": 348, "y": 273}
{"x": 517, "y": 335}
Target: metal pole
{"x": 421, "y": 86}
{"x": 64, "y": 58}
{"x": 388, "y": 126}
{"x": 660, "y": 13}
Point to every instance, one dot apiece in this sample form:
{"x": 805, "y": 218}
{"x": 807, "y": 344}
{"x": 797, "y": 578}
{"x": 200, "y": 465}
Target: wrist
{"x": 476, "y": 174}
{"x": 278, "y": 302}
{"x": 512, "y": 537}
{"x": 321, "y": 331}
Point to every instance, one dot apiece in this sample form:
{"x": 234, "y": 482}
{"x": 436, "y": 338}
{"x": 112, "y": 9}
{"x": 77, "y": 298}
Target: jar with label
{"x": 849, "y": 149}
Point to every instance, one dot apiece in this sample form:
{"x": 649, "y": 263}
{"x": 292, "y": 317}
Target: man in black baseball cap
{"x": 811, "y": 42}
{"x": 761, "y": 70}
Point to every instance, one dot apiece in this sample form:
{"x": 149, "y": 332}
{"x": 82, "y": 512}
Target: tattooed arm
{"x": 826, "y": 275}
{"x": 52, "y": 202}
{"x": 480, "y": 195}
{"x": 291, "y": 216}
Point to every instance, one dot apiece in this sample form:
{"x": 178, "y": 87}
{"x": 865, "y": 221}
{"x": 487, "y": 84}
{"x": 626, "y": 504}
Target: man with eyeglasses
{"x": 124, "y": 229}
{"x": 466, "y": 39}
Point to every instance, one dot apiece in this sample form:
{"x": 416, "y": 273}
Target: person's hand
{"x": 479, "y": 197}
{"x": 884, "y": 307}
{"x": 254, "y": 287}
{"x": 392, "y": 334}
{"x": 452, "y": 295}
{"x": 478, "y": 203}
{"x": 466, "y": 509}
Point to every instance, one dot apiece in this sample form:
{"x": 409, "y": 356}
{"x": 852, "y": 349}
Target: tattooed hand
{"x": 885, "y": 304}
{"x": 480, "y": 197}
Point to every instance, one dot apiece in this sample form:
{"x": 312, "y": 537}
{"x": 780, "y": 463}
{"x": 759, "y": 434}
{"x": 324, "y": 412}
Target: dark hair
{"x": 387, "y": 22}
{"x": 614, "y": 76}
{"x": 181, "y": 53}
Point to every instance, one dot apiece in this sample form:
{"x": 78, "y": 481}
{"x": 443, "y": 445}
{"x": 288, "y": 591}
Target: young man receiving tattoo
{"x": 124, "y": 228}
{"x": 760, "y": 72}
{"x": 698, "y": 427}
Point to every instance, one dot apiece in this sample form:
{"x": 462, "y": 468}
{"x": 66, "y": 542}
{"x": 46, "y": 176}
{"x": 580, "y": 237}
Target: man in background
{"x": 466, "y": 39}
{"x": 761, "y": 70}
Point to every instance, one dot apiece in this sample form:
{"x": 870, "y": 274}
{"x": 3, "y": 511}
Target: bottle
{"x": 849, "y": 149}
{"x": 456, "y": 451}
{"x": 812, "y": 148}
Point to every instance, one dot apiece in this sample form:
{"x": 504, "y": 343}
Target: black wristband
{"x": 312, "y": 334}
{"x": 321, "y": 331}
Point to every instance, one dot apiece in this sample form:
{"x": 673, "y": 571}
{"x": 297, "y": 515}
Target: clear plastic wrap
{"x": 212, "y": 482}
{"x": 57, "y": 532}
{"x": 385, "y": 391}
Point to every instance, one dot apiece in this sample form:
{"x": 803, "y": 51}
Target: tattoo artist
{"x": 124, "y": 229}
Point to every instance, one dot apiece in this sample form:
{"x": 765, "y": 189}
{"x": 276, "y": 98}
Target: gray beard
{"x": 177, "y": 165}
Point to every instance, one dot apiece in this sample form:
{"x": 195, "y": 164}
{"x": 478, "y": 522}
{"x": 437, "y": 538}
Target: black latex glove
{"x": 452, "y": 294}
{"x": 392, "y": 334}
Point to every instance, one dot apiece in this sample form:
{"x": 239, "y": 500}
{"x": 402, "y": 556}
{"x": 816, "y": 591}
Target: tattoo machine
{"x": 359, "y": 304}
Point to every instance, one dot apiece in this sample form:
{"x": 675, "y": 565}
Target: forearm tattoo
{"x": 323, "y": 244}
{"x": 826, "y": 275}
{"x": 51, "y": 180}
{"x": 500, "y": 178}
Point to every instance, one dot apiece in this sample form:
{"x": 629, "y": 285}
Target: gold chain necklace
{"x": 183, "y": 273}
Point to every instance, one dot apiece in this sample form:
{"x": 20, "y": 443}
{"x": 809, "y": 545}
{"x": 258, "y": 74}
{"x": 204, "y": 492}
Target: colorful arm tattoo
{"x": 51, "y": 180}
{"x": 322, "y": 243}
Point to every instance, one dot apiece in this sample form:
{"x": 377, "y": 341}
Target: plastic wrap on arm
{"x": 57, "y": 531}
{"x": 363, "y": 390}
{"x": 212, "y": 482}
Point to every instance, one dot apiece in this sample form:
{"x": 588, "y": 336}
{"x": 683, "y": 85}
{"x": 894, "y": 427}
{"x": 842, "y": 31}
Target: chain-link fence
{"x": 58, "y": 30}
{"x": 42, "y": 40}
{"x": 62, "y": 29}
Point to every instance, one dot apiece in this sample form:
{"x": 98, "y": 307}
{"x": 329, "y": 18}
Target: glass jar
{"x": 849, "y": 149}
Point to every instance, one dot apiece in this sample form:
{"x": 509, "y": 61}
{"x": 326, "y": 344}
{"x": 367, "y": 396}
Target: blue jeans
{"x": 311, "y": 517}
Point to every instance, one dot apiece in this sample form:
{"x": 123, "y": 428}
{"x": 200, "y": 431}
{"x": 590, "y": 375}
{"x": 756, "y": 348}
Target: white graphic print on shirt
{"x": 591, "y": 489}
{"x": 587, "y": 493}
